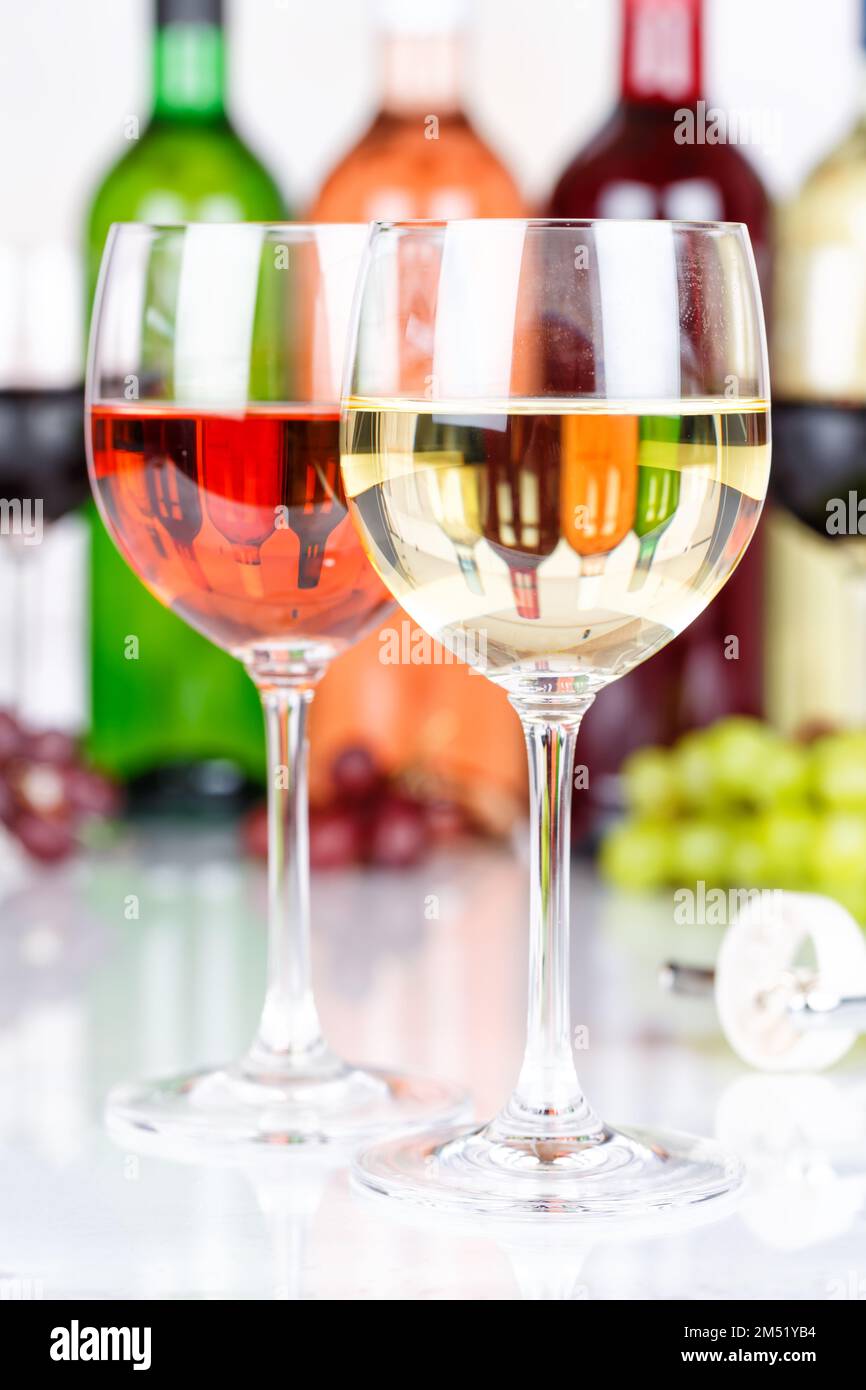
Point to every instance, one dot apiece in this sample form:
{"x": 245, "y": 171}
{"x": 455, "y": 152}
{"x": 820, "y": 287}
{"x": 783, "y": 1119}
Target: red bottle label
{"x": 661, "y": 51}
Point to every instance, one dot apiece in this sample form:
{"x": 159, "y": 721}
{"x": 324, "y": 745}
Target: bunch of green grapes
{"x": 738, "y": 805}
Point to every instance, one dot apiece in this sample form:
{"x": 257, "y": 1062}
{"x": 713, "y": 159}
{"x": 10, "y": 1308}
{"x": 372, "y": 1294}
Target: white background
{"x": 302, "y": 81}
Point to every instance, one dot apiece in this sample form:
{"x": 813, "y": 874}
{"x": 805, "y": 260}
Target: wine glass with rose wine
{"x": 213, "y": 423}
{"x": 591, "y": 398}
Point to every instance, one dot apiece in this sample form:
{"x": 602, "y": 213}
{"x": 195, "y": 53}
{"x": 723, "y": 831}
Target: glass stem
{"x": 289, "y": 1039}
{"x": 548, "y": 1101}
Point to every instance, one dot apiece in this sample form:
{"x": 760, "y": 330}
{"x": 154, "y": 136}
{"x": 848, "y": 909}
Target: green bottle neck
{"x": 189, "y": 72}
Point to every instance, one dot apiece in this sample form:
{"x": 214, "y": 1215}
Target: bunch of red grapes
{"x": 46, "y": 792}
{"x": 371, "y": 819}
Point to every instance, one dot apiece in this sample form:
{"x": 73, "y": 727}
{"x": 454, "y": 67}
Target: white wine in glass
{"x": 534, "y": 493}
{"x": 590, "y": 400}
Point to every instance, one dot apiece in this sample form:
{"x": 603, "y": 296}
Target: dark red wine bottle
{"x": 663, "y": 154}
{"x": 660, "y": 153}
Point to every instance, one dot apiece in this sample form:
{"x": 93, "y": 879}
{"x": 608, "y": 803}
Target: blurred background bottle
{"x": 653, "y": 160}
{"x": 43, "y": 473}
{"x": 451, "y": 734}
{"x": 181, "y": 719}
{"x": 816, "y": 648}
{"x": 421, "y": 156}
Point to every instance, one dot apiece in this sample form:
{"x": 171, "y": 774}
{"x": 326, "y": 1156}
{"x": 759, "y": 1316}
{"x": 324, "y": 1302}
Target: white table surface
{"x": 90, "y": 995}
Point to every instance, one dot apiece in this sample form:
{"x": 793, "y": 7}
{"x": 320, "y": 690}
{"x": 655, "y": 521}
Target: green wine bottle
{"x": 168, "y": 708}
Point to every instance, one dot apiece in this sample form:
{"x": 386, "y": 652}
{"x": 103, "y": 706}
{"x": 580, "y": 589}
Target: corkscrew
{"x": 778, "y": 1013}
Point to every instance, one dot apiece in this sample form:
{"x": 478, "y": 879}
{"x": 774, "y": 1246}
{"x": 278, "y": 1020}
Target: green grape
{"x": 634, "y": 854}
{"x": 783, "y": 776}
{"x": 649, "y": 782}
{"x": 838, "y": 853}
{"x": 693, "y": 770}
{"x": 700, "y": 849}
{"x": 787, "y": 836}
{"x": 742, "y": 753}
{"x": 748, "y": 861}
{"x": 838, "y": 766}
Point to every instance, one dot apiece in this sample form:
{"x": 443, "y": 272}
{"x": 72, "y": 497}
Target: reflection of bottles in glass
{"x": 725, "y": 532}
{"x": 421, "y": 157}
{"x": 599, "y": 470}
{"x": 241, "y": 477}
{"x": 182, "y": 702}
{"x": 267, "y": 456}
{"x": 520, "y": 499}
{"x": 380, "y": 533}
{"x": 635, "y": 166}
{"x": 518, "y": 455}
{"x": 172, "y": 487}
{"x": 314, "y": 509}
{"x": 453, "y": 498}
{"x": 658, "y": 492}
{"x": 816, "y": 640}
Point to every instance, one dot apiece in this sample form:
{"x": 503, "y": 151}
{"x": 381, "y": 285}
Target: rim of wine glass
{"x": 430, "y": 223}
{"x": 294, "y": 227}
{"x": 425, "y": 224}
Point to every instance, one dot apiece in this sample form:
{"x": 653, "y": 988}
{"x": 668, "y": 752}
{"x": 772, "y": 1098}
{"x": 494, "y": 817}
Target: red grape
{"x": 37, "y": 787}
{"x": 254, "y": 832}
{"x": 89, "y": 793}
{"x": 336, "y": 838}
{"x": 8, "y": 804}
{"x": 11, "y": 736}
{"x": 51, "y": 746}
{"x": 44, "y": 789}
{"x": 48, "y": 840}
{"x": 446, "y": 820}
{"x": 399, "y": 834}
{"x": 356, "y": 775}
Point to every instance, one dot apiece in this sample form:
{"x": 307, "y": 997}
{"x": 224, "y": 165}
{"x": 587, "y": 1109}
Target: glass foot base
{"x": 615, "y": 1174}
{"x": 230, "y": 1106}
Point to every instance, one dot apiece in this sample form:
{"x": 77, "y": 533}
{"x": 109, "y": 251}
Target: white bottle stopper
{"x": 787, "y": 952}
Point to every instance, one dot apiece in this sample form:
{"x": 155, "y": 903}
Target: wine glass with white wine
{"x": 591, "y": 398}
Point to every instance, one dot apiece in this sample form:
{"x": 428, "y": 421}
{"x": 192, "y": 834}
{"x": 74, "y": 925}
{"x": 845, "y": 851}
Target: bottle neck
{"x": 662, "y": 52}
{"x": 421, "y": 74}
{"x": 189, "y": 70}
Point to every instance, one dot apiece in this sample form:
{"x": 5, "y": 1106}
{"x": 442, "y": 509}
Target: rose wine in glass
{"x": 214, "y": 456}
{"x": 596, "y": 410}
{"x": 256, "y": 540}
